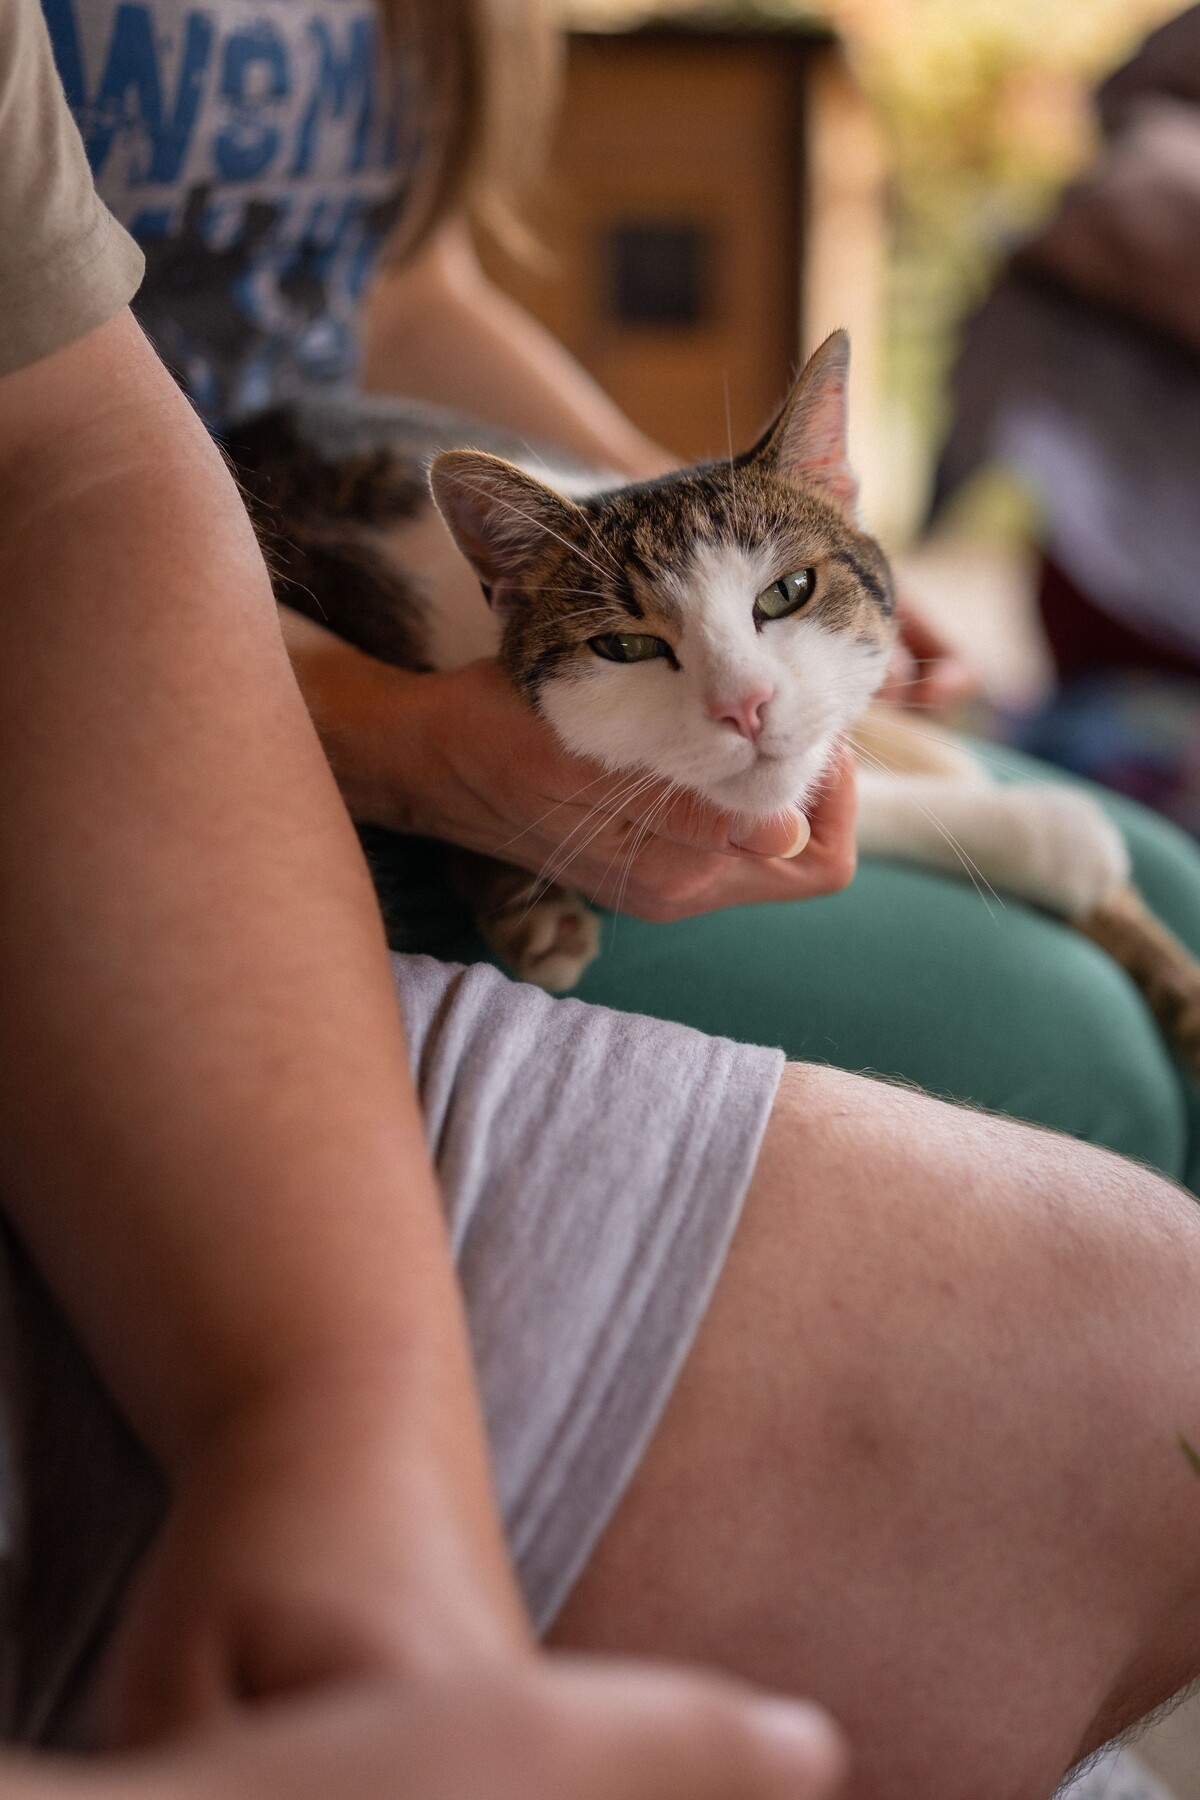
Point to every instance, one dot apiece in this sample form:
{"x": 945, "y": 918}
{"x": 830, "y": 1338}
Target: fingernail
{"x": 803, "y": 833}
{"x": 801, "y": 1734}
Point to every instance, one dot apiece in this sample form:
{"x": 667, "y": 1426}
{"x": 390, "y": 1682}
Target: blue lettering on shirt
{"x": 131, "y": 88}
{"x": 253, "y": 150}
{"x": 254, "y": 77}
{"x": 344, "y": 78}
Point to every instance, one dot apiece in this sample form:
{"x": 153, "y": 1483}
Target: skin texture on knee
{"x": 923, "y": 1462}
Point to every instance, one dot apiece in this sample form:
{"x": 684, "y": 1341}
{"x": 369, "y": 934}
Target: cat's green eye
{"x": 629, "y": 646}
{"x": 787, "y": 595}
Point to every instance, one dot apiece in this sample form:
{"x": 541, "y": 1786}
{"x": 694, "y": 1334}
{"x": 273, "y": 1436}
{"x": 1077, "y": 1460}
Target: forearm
{"x": 208, "y": 1134}
{"x": 439, "y": 330}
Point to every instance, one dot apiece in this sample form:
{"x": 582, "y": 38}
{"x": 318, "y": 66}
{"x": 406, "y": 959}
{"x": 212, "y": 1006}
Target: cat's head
{"x": 721, "y": 627}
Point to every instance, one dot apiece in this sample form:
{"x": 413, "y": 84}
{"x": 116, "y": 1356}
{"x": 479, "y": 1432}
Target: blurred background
{"x": 732, "y": 181}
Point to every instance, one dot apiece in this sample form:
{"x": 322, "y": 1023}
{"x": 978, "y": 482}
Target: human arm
{"x": 436, "y": 328}
{"x": 208, "y": 1135}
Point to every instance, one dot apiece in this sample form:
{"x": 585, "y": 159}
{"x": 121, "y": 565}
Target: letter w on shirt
{"x": 255, "y": 91}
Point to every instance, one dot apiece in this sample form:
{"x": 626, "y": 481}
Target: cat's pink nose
{"x": 745, "y": 714}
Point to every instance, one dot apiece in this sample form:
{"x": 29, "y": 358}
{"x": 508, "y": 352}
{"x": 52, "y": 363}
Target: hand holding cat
{"x": 460, "y": 756}
{"x": 926, "y": 670}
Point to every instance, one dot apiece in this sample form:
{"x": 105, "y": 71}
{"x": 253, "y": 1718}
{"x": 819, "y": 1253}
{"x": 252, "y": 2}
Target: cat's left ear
{"x": 500, "y": 517}
{"x": 806, "y": 443}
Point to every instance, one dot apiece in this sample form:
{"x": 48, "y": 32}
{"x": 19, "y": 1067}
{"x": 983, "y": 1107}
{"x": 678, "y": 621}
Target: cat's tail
{"x": 1165, "y": 970}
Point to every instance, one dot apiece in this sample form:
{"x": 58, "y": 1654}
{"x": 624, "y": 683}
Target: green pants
{"x": 912, "y": 974}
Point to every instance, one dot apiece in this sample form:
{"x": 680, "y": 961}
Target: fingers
{"x": 926, "y": 668}
{"x": 834, "y": 807}
{"x": 666, "y": 882}
{"x": 631, "y": 841}
{"x": 902, "y": 676}
{"x": 697, "y": 825}
{"x": 929, "y": 682}
{"x": 948, "y": 679}
{"x": 694, "y": 823}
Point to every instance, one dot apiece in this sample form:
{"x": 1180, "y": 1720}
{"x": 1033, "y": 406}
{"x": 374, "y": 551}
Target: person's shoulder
{"x": 65, "y": 264}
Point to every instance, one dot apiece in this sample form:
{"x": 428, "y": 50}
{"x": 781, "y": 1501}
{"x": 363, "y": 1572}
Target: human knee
{"x": 912, "y": 1208}
{"x": 924, "y": 1395}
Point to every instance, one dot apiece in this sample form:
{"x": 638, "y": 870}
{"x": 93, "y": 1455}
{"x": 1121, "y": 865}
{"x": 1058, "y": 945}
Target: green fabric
{"x": 914, "y": 975}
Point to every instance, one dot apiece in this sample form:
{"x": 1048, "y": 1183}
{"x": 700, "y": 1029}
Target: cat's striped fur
{"x": 740, "y": 707}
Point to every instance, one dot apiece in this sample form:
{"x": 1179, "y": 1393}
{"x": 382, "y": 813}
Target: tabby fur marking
{"x": 723, "y": 627}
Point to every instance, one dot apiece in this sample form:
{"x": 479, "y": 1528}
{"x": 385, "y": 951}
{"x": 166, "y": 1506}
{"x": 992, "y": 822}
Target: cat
{"x": 724, "y": 627}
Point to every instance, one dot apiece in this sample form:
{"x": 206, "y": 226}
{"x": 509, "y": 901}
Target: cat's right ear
{"x": 806, "y": 443}
{"x": 499, "y": 517}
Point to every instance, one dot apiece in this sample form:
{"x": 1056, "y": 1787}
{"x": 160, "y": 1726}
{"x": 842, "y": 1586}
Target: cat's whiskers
{"x": 978, "y": 879}
{"x": 598, "y": 612}
{"x": 555, "y": 870}
{"x": 538, "y": 524}
{"x": 641, "y": 828}
{"x": 574, "y": 592}
{"x": 567, "y": 800}
{"x": 606, "y": 607}
{"x": 1031, "y": 773}
{"x": 597, "y": 817}
{"x": 301, "y": 587}
{"x": 647, "y": 781}
{"x": 600, "y": 812}
{"x": 643, "y": 831}
{"x": 733, "y": 497}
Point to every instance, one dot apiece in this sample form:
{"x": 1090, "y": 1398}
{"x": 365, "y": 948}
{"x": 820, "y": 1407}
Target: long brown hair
{"x": 488, "y": 71}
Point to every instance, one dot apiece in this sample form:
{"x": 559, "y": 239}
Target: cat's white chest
{"x": 459, "y": 624}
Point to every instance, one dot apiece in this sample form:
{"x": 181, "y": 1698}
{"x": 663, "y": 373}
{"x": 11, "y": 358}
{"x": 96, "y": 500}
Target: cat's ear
{"x": 499, "y": 517}
{"x": 807, "y": 441}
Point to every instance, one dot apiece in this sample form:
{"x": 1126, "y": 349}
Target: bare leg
{"x": 923, "y": 1463}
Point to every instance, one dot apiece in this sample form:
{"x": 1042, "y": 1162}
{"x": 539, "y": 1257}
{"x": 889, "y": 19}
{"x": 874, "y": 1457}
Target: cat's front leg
{"x": 1046, "y": 843}
{"x": 547, "y": 934}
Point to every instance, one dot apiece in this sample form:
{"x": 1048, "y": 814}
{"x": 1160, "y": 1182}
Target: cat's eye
{"x": 630, "y": 646}
{"x": 787, "y": 595}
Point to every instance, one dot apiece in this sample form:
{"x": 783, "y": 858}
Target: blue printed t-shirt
{"x": 258, "y": 152}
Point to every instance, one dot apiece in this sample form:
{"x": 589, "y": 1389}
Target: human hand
{"x": 497, "y": 779}
{"x": 550, "y": 1728}
{"x": 926, "y": 670}
{"x": 461, "y": 757}
{"x": 306, "y": 1543}
{"x": 326, "y": 1648}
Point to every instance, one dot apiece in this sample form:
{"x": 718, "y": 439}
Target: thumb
{"x": 701, "y": 826}
{"x": 657, "y": 1734}
{"x": 783, "y": 834}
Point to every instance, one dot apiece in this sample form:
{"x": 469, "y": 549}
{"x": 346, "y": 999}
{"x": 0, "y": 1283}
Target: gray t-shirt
{"x": 258, "y": 151}
{"x": 65, "y": 264}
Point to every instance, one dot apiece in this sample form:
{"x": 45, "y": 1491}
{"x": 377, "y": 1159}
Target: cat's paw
{"x": 1062, "y": 851}
{"x": 550, "y": 942}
